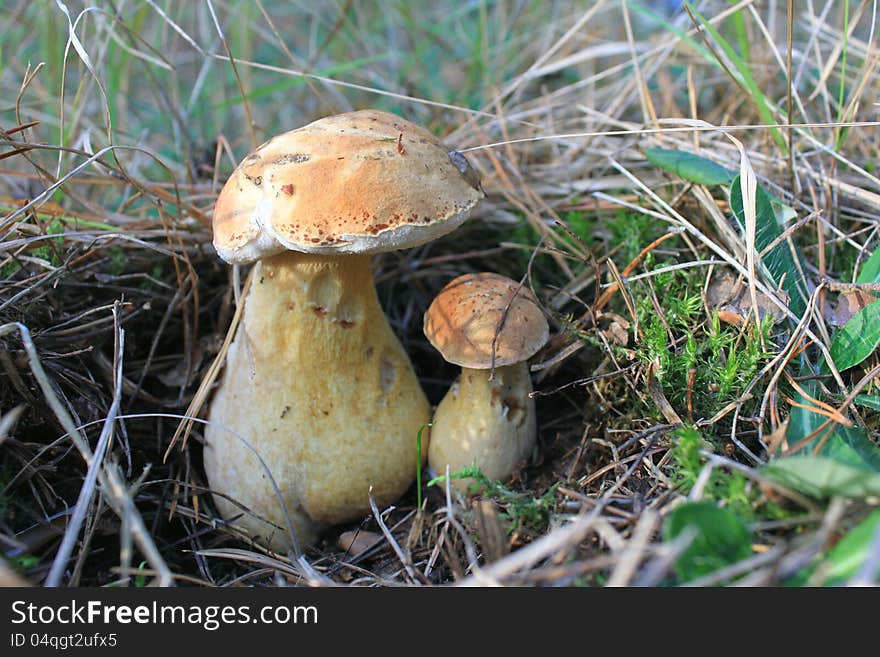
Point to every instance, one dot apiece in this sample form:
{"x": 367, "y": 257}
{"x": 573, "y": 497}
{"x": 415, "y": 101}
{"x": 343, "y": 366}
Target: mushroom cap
{"x": 463, "y": 319}
{"x": 359, "y": 182}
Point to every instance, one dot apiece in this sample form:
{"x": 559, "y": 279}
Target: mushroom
{"x": 316, "y": 384}
{"x": 490, "y": 326}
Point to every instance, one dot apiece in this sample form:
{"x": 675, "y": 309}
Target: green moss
{"x": 118, "y": 260}
{"x": 52, "y": 248}
{"x": 522, "y": 510}
{"x": 731, "y": 489}
{"x": 9, "y": 269}
{"x": 722, "y": 358}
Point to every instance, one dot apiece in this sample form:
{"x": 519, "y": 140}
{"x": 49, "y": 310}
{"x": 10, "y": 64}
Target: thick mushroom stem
{"x": 490, "y": 422}
{"x": 321, "y": 388}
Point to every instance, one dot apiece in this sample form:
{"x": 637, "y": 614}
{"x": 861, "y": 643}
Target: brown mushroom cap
{"x": 463, "y": 319}
{"x": 360, "y": 182}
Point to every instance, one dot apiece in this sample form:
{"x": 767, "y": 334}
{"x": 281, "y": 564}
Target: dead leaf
{"x": 656, "y": 392}
{"x": 357, "y": 541}
{"x": 776, "y": 439}
{"x": 9, "y": 577}
{"x": 177, "y": 375}
{"x": 848, "y": 304}
{"x": 729, "y": 295}
{"x": 723, "y": 287}
{"x": 617, "y": 329}
{"x": 491, "y": 533}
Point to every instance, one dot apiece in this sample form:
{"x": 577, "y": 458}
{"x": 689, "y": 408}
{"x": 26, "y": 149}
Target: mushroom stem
{"x": 321, "y": 387}
{"x": 491, "y": 422}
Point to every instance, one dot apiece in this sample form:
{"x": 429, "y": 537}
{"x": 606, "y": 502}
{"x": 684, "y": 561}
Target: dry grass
{"x": 121, "y": 121}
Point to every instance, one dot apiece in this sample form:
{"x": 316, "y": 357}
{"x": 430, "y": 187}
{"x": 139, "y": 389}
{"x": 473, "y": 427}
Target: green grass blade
{"x": 739, "y": 28}
{"x": 746, "y": 79}
{"x": 840, "y": 133}
{"x": 294, "y": 81}
{"x": 419, "y": 463}
{"x": 674, "y": 29}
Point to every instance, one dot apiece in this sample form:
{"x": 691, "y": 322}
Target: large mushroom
{"x": 490, "y": 326}
{"x": 316, "y": 383}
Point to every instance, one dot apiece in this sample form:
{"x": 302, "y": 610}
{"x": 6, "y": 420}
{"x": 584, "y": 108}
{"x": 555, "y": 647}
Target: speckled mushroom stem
{"x": 490, "y": 422}
{"x": 320, "y": 386}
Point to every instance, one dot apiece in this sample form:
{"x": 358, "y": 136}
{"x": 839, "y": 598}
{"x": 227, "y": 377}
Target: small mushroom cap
{"x": 360, "y": 182}
{"x": 463, "y": 320}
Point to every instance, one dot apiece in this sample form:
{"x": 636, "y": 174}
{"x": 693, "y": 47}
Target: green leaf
{"x": 851, "y": 446}
{"x": 802, "y": 422}
{"x": 471, "y": 471}
{"x": 850, "y": 552}
{"x": 868, "y": 401}
{"x": 821, "y": 477}
{"x": 860, "y": 336}
{"x": 870, "y": 272}
{"x": 857, "y": 339}
{"x": 691, "y": 167}
{"x": 843, "y": 560}
{"x": 721, "y": 539}
{"x": 847, "y": 464}
{"x": 784, "y": 213}
{"x": 848, "y": 445}
{"x": 779, "y": 263}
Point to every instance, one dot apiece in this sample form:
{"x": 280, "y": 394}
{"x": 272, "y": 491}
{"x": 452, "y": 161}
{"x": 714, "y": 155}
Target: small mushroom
{"x": 316, "y": 383}
{"x": 481, "y": 321}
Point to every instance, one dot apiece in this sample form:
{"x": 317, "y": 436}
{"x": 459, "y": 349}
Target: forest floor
{"x": 691, "y": 193}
